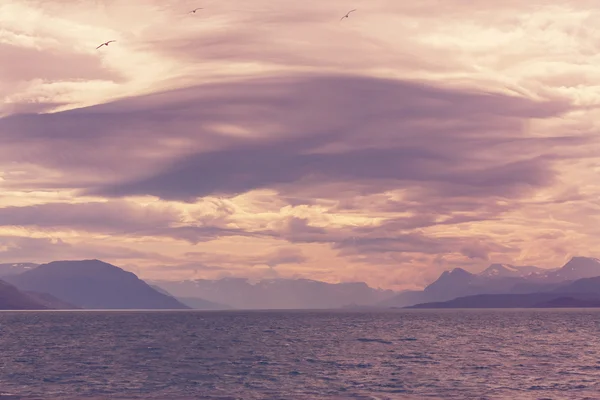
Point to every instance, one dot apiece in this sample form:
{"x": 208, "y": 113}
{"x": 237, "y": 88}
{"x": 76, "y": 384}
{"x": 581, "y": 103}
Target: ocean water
{"x": 403, "y": 354}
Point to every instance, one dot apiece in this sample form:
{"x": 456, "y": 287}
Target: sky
{"x": 259, "y": 140}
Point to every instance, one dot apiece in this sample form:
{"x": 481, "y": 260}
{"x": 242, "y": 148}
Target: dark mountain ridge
{"x": 580, "y": 293}
{"x": 11, "y": 298}
{"x": 530, "y": 300}
{"x": 93, "y": 284}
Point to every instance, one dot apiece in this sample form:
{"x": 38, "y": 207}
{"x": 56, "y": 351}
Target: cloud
{"x": 27, "y": 63}
{"x": 41, "y": 250}
{"x": 30, "y": 107}
{"x": 273, "y": 258}
{"x": 373, "y": 146}
{"x": 248, "y": 38}
{"x": 289, "y": 255}
{"x": 212, "y": 265}
{"x": 187, "y": 270}
{"x": 197, "y": 234}
{"x": 118, "y": 217}
{"x": 430, "y": 156}
{"x": 407, "y": 139}
{"x": 108, "y": 217}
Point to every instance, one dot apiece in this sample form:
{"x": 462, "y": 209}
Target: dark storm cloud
{"x": 309, "y": 132}
{"x": 368, "y": 136}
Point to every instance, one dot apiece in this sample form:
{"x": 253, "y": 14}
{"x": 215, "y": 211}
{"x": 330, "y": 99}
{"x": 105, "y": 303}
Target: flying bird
{"x": 105, "y": 44}
{"x": 348, "y": 14}
{"x": 196, "y": 9}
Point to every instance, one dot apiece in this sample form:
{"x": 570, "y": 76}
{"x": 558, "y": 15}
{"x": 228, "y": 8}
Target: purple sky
{"x": 257, "y": 140}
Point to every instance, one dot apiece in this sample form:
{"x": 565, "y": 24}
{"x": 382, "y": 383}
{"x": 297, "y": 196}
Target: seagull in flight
{"x": 196, "y": 9}
{"x": 105, "y": 44}
{"x": 348, "y": 14}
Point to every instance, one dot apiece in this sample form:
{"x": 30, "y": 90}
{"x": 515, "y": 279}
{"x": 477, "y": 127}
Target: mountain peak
{"x": 577, "y": 263}
{"x": 453, "y": 278}
{"x": 581, "y": 259}
{"x": 457, "y": 272}
{"x": 497, "y": 270}
{"x": 81, "y": 263}
{"x": 93, "y": 284}
{"x": 576, "y": 268}
{"x": 503, "y": 266}
{"x": 88, "y": 268}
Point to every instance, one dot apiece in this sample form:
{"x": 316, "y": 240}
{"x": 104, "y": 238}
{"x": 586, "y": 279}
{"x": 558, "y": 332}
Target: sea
{"x": 395, "y": 354}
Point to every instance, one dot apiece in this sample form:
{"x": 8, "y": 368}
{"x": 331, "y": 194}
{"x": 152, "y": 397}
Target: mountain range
{"x": 577, "y": 282}
{"x": 240, "y": 293}
{"x": 93, "y": 284}
{"x": 580, "y": 293}
{"x": 497, "y": 279}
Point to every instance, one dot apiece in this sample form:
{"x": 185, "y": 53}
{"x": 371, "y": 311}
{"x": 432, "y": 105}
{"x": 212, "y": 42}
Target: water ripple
{"x": 513, "y": 354}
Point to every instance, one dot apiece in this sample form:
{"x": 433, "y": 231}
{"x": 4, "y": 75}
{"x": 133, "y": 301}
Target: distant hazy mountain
{"x": 585, "y": 285}
{"x": 93, "y": 284}
{"x": 194, "y": 302}
{"x": 12, "y": 298}
{"x": 201, "y": 304}
{"x": 8, "y": 269}
{"x": 239, "y": 293}
{"x": 498, "y": 279}
{"x": 161, "y": 290}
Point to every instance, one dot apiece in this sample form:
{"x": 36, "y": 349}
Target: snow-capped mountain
{"x": 576, "y": 268}
{"x": 499, "y": 279}
{"x": 508, "y": 270}
{"x": 8, "y": 269}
